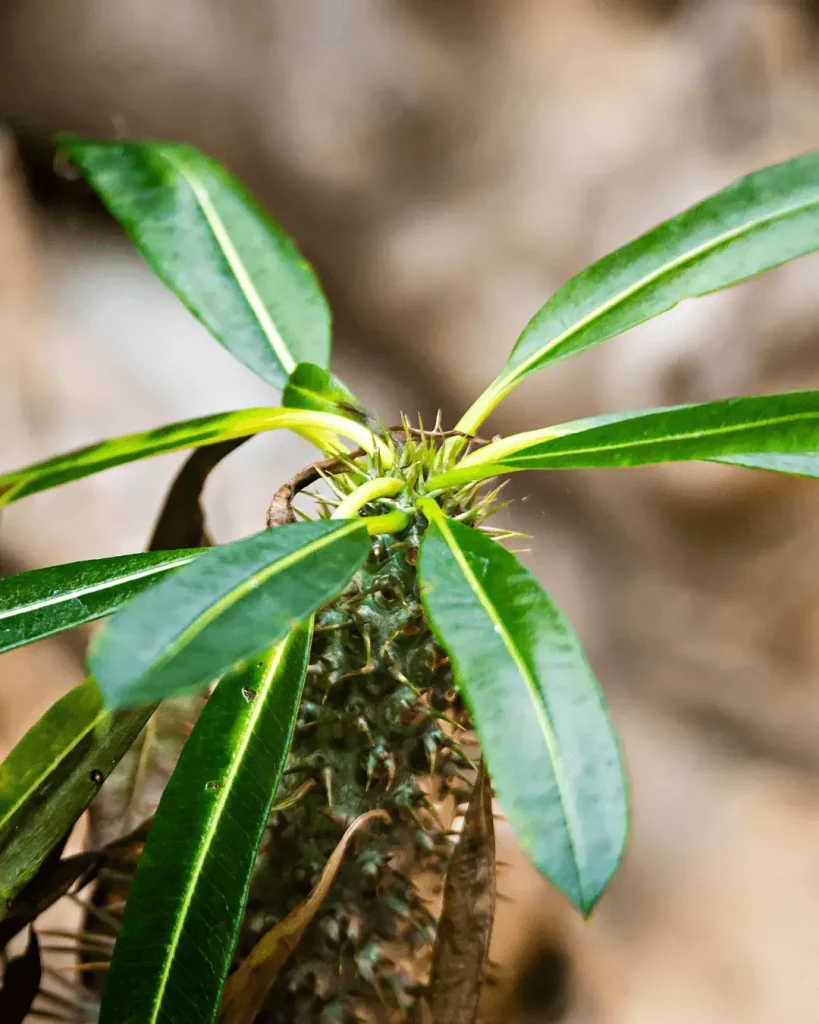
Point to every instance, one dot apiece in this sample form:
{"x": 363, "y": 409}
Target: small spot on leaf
{"x": 96, "y": 776}
{"x": 213, "y": 785}
{"x": 248, "y": 694}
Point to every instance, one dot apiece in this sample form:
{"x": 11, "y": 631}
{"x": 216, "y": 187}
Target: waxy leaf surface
{"x": 774, "y": 432}
{"x": 759, "y": 222}
{"x": 42, "y": 602}
{"x": 53, "y": 774}
{"x": 537, "y": 709}
{"x": 185, "y": 908}
{"x": 313, "y": 387}
{"x": 228, "y": 605}
{"x": 206, "y": 238}
{"x": 205, "y": 430}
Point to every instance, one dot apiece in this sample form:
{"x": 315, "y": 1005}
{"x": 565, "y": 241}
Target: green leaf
{"x": 206, "y": 430}
{"x": 537, "y": 709}
{"x": 774, "y": 432}
{"x": 230, "y": 604}
{"x": 759, "y": 222}
{"x": 186, "y": 904}
{"x": 42, "y": 602}
{"x": 206, "y": 238}
{"x": 53, "y": 774}
{"x": 313, "y": 387}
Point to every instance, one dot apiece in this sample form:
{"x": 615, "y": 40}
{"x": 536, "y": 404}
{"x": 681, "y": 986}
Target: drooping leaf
{"x": 175, "y": 437}
{"x": 774, "y": 432}
{"x": 759, "y": 222}
{"x": 207, "y": 239}
{"x": 21, "y": 983}
{"x": 537, "y": 709}
{"x": 181, "y": 523}
{"x": 185, "y": 907}
{"x": 53, "y": 774}
{"x": 465, "y": 925}
{"x": 312, "y": 387}
{"x": 228, "y": 605}
{"x": 248, "y": 987}
{"x": 43, "y": 602}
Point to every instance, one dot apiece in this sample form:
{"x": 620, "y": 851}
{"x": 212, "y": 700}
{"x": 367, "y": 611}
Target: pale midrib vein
{"x": 243, "y": 278}
{"x": 664, "y": 439}
{"x": 188, "y": 434}
{"x": 546, "y": 725}
{"x": 688, "y": 257}
{"x": 77, "y": 740}
{"x": 119, "y": 581}
{"x": 244, "y": 588}
{"x": 213, "y": 825}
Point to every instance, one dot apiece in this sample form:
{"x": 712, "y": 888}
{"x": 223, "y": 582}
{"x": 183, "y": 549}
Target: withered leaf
{"x": 181, "y": 523}
{"x": 465, "y": 926}
{"x": 21, "y": 984}
{"x": 247, "y": 988}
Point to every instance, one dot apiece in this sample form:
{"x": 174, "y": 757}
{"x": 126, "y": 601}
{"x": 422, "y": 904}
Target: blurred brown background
{"x": 446, "y": 164}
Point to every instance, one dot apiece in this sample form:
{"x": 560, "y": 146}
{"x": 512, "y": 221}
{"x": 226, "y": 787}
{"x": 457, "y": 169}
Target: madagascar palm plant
{"x": 371, "y": 667}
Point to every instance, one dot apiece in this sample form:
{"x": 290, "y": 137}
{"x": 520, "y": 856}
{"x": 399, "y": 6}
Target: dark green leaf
{"x": 537, "y": 709}
{"x": 210, "y": 243}
{"x": 42, "y": 602}
{"x": 313, "y": 387}
{"x": 231, "y": 603}
{"x": 53, "y": 774}
{"x": 206, "y": 430}
{"x": 759, "y": 222}
{"x": 186, "y": 904}
{"x": 774, "y": 432}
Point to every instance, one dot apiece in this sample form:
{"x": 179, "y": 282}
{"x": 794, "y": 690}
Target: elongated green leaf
{"x": 42, "y": 602}
{"x": 231, "y": 603}
{"x": 53, "y": 774}
{"x": 313, "y": 387}
{"x": 774, "y": 432}
{"x": 175, "y": 437}
{"x": 207, "y": 239}
{"x": 759, "y": 222}
{"x": 185, "y": 907}
{"x": 538, "y": 712}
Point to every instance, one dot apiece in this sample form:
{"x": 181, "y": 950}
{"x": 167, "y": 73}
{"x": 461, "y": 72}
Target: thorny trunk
{"x": 379, "y": 728}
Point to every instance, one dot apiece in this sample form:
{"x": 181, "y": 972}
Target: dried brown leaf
{"x": 465, "y": 926}
{"x": 181, "y": 523}
{"x": 21, "y": 984}
{"x": 247, "y": 988}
